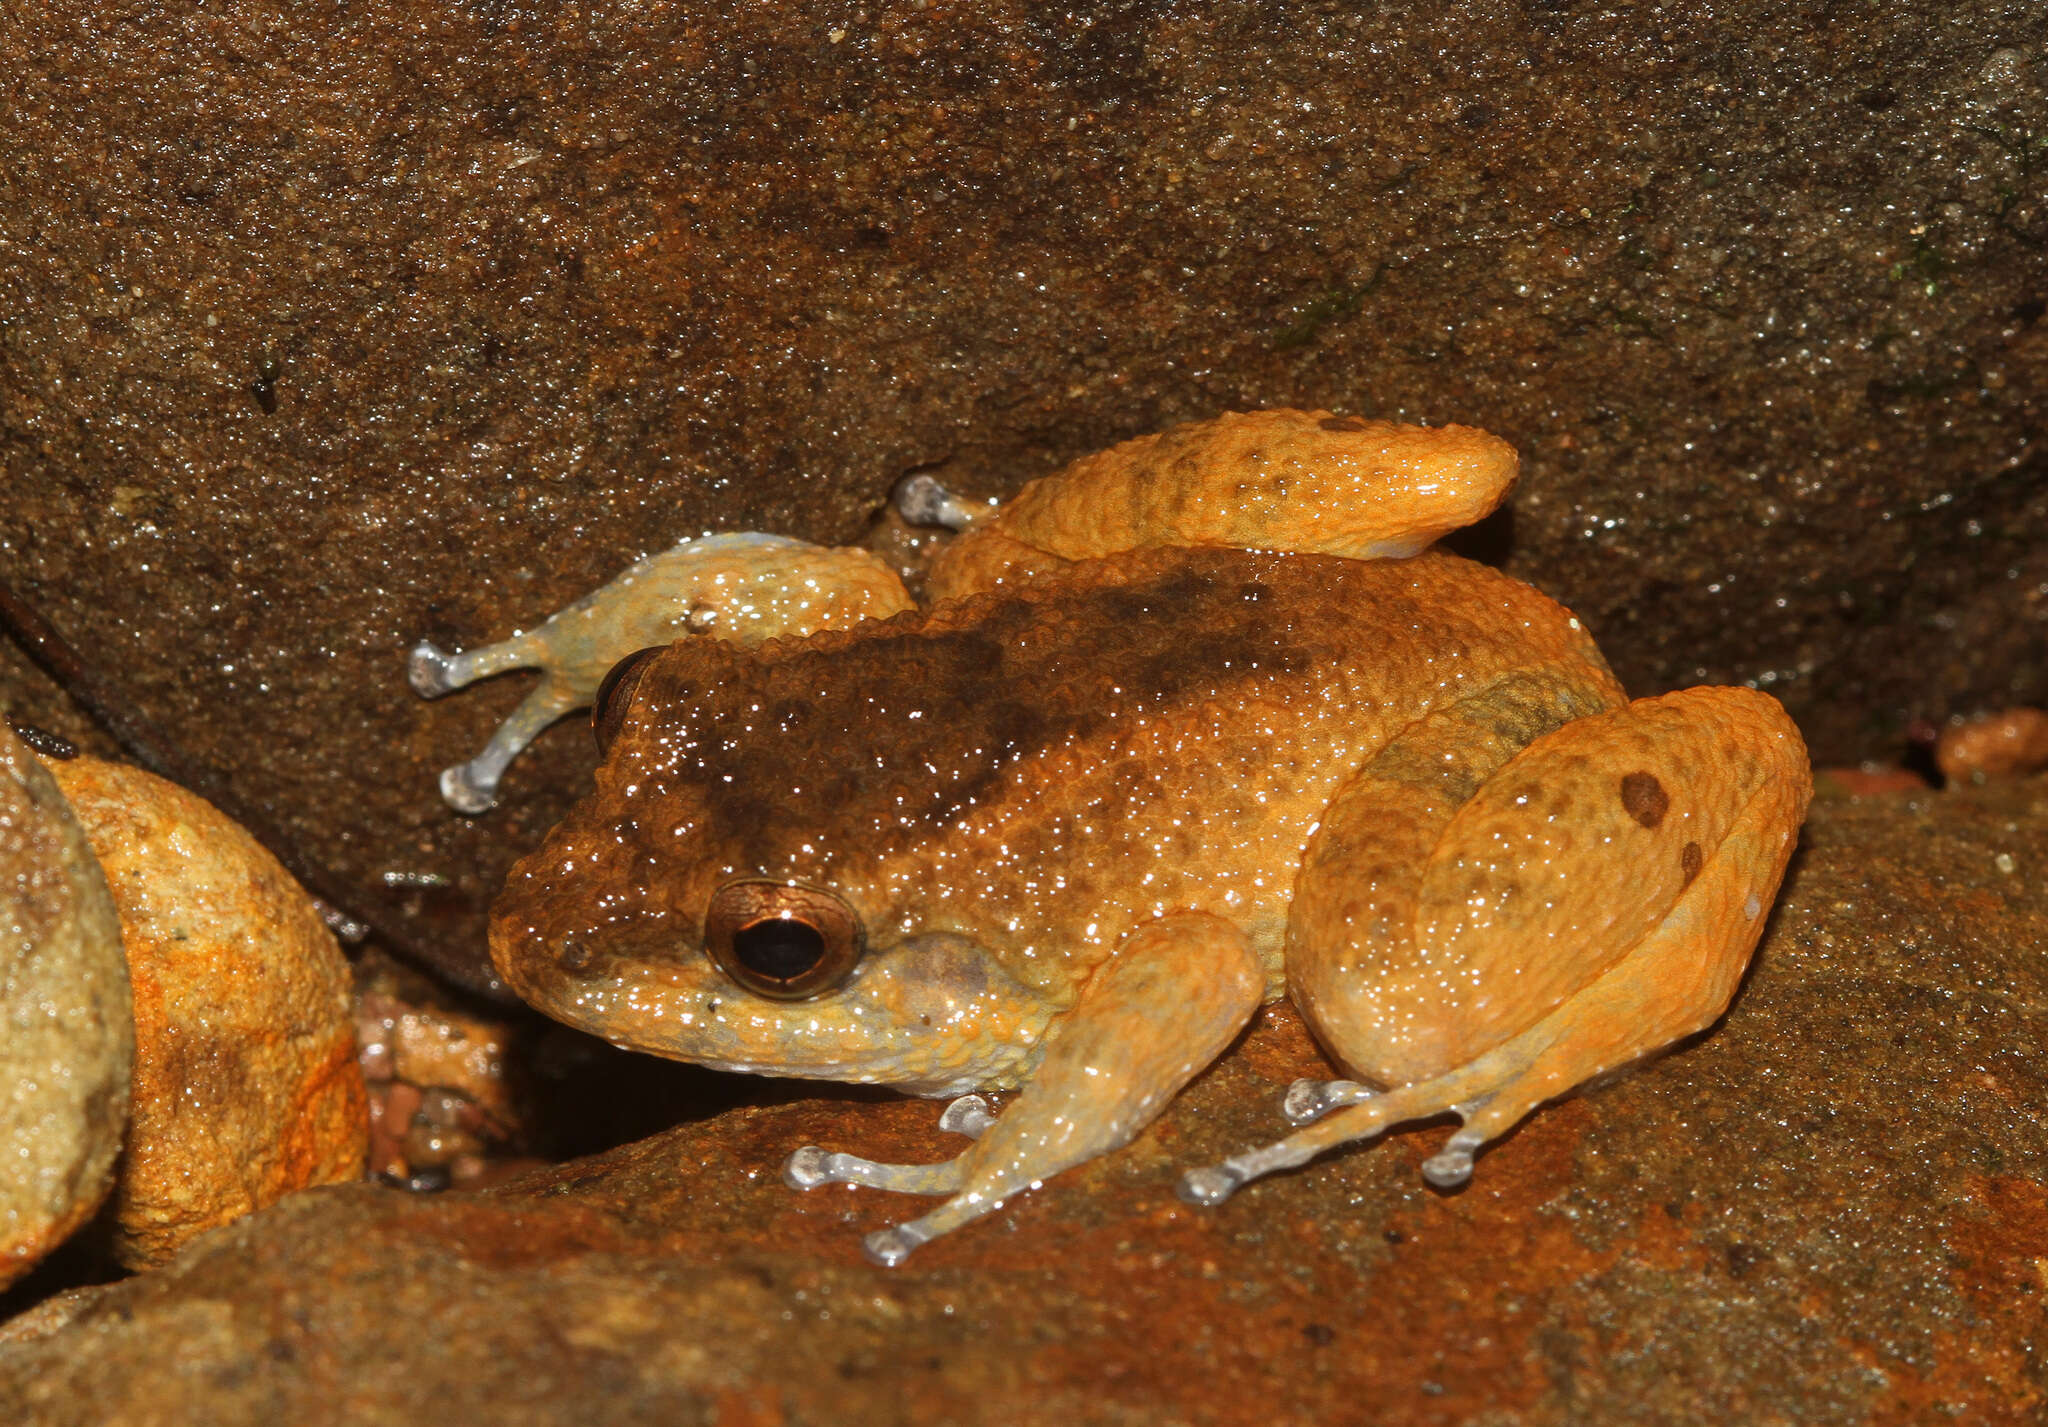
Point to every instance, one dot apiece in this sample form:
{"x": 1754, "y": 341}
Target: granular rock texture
{"x": 328, "y": 329}
{"x": 246, "y": 1083}
{"x": 1829, "y": 1209}
{"x": 65, "y": 1036}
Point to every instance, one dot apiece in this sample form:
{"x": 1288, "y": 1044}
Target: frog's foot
{"x": 1362, "y": 1118}
{"x": 921, "y": 500}
{"x": 1307, "y": 1101}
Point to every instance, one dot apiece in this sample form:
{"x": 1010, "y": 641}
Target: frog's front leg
{"x": 1594, "y": 901}
{"x": 1175, "y": 994}
{"x": 746, "y": 587}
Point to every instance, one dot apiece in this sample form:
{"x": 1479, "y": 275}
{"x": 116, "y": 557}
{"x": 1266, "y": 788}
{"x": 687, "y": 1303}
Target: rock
{"x": 65, "y": 1035}
{"x": 2001, "y": 745}
{"x": 1828, "y": 1209}
{"x": 442, "y": 1099}
{"x": 435, "y": 326}
{"x": 246, "y": 1085}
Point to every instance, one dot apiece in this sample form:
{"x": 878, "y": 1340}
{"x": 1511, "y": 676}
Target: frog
{"x": 1193, "y": 724}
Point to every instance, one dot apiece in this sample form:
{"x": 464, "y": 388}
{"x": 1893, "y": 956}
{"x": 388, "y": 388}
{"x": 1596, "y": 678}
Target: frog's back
{"x": 1043, "y": 767}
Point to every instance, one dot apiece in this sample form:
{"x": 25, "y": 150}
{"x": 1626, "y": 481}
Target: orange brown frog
{"x": 1195, "y": 723}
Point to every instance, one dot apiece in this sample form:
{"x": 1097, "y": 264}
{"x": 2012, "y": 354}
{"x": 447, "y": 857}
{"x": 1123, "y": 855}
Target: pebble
{"x": 246, "y": 1086}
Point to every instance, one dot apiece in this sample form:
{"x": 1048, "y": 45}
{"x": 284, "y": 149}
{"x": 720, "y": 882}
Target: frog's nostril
{"x": 573, "y": 955}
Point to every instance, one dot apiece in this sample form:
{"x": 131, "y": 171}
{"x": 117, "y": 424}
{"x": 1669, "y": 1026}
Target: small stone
{"x": 246, "y": 1085}
{"x": 65, "y": 1037}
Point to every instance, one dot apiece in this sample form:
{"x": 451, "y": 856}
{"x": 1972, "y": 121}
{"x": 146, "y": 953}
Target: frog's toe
{"x": 1309, "y": 1100}
{"x": 430, "y": 671}
{"x": 921, "y": 500}
{"x": 808, "y": 1168}
{"x": 1211, "y": 1184}
{"x": 468, "y": 789}
{"x": 890, "y": 1247}
{"x": 1451, "y": 1166}
{"x": 969, "y": 1116}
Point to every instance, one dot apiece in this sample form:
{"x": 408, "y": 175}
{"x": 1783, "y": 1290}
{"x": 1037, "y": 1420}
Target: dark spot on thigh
{"x": 1690, "y": 861}
{"x": 1644, "y": 799}
{"x": 1341, "y": 423}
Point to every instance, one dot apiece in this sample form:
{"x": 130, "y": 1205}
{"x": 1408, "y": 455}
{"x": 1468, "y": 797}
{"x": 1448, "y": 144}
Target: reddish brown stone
{"x": 1828, "y": 1209}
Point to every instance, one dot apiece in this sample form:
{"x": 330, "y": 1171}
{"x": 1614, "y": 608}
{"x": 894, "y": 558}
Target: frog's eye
{"x": 615, "y": 696}
{"x": 783, "y": 940}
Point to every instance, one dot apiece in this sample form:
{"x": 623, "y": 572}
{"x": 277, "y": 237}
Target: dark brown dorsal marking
{"x": 1644, "y": 799}
{"x": 1690, "y": 861}
{"x": 1342, "y": 423}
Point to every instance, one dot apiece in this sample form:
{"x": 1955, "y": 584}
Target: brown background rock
{"x": 65, "y": 1035}
{"x": 246, "y": 1082}
{"x": 331, "y": 329}
{"x": 1829, "y": 1209}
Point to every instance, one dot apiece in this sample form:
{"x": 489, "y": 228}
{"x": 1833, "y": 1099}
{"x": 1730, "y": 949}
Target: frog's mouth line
{"x": 927, "y": 1015}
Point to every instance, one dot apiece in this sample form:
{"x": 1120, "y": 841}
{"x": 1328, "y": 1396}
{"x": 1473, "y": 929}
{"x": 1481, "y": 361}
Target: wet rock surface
{"x": 1829, "y": 1209}
{"x": 330, "y": 331}
{"x": 246, "y": 1085}
{"x": 65, "y": 1035}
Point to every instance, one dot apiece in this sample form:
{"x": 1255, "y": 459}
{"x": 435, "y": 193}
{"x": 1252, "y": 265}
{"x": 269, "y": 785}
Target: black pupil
{"x": 781, "y": 948}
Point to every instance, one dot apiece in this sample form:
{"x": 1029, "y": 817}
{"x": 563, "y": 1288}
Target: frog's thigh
{"x": 1175, "y": 994}
{"x": 743, "y": 587}
{"x": 1379, "y": 995}
{"x": 1596, "y": 900}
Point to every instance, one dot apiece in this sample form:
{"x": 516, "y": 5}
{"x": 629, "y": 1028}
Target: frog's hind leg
{"x": 1261, "y": 480}
{"x": 1594, "y": 901}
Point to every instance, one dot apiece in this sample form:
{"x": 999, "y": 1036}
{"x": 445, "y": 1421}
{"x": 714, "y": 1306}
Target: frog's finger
{"x": 432, "y": 673}
{"x": 921, "y": 500}
{"x": 1177, "y": 992}
{"x": 811, "y": 1167}
{"x": 1307, "y": 1101}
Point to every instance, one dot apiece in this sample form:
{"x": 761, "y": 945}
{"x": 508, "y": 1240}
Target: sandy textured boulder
{"x": 246, "y": 1085}
{"x": 330, "y": 329}
{"x": 65, "y": 1042}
